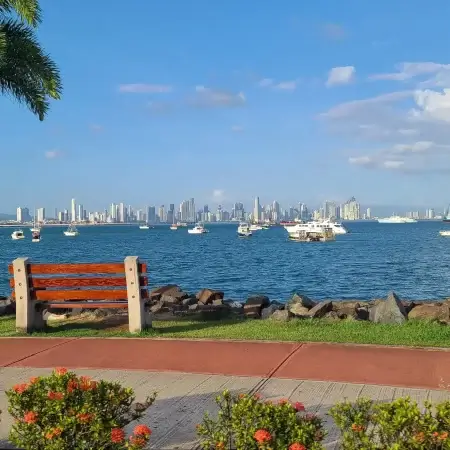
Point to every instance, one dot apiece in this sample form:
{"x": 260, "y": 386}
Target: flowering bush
{"x": 246, "y": 422}
{"x": 63, "y": 411}
{"x": 397, "y": 425}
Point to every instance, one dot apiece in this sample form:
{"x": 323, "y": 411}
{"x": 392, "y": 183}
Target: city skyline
{"x": 337, "y": 100}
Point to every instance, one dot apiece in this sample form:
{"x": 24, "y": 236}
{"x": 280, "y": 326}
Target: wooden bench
{"x": 89, "y": 286}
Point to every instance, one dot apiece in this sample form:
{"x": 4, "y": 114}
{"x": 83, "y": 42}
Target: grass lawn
{"x": 413, "y": 333}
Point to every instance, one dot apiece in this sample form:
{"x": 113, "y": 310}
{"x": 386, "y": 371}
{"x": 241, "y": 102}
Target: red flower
{"x": 257, "y": 396}
{"x": 299, "y": 406}
{"x": 34, "y": 380}
{"x": 53, "y": 433}
{"x": 117, "y": 435}
{"x": 55, "y": 395}
{"x": 86, "y": 384}
{"x": 72, "y": 385}
{"x": 138, "y": 441}
{"x": 283, "y": 401}
{"x": 142, "y": 430}
{"x": 84, "y": 417}
{"x": 60, "y": 371}
{"x": 262, "y": 436}
{"x": 297, "y": 446}
{"x": 357, "y": 428}
{"x": 20, "y": 388}
{"x": 30, "y": 417}
{"x": 443, "y": 436}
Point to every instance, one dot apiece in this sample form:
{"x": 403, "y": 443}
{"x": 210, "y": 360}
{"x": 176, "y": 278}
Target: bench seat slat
{"x": 54, "y": 282}
{"x": 78, "y": 268}
{"x": 87, "y": 305}
{"x": 64, "y": 295}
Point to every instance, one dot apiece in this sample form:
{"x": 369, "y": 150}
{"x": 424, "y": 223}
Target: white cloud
{"x": 433, "y": 105}
{"x": 360, "y": 160}
{"x": 340, "y": 75}
{"x": 209, "y": 98}
{"x": 142, "y": 88}
{"x": 52, "y": 154}
{"x": 392, "y": 164}
{"x": 408, "y": 70}
{"x": 286, "y": 85}
{"x": 416, "y": 147}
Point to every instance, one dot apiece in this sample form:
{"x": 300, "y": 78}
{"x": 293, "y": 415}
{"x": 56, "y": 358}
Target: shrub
{"x": 63, "y": 411}
{"x": 398, "y": 425}
{"x": 246, "y": 422}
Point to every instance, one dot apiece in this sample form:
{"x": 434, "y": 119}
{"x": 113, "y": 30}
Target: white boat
{"x": 174, "y": 227}
{"x": 35, "y": 227}
{"x": 337, "y": 227}
{"x": 198, "y": 229}
{"x": 244, "y": 230}
{"x": 71, "y": 231}
{"x": 315, "y": 226}
{"x": 144, "y": 227}
{"x": 17, "y": 234}
{"x": 397, "y": 219}
{"x": 444, "y": 233}
{"x": 182, "y": 224}
{"x": 36, "y": 236}
{"x": 255, "y": 227}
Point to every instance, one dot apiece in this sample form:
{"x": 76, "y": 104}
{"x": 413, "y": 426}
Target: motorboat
{"x": 320, "y": 234}
{"x": 337, "y": 227}
{"x": 198, "y": 229}
{"x": 315, "y": 226}
{"x": 17, "y": 234}
{"x": 244, "y": 230}
{"x": 174, "y": 227}
{"x": 36, "y": 236}
{"x": 397, "y": 219}
{"x": 255, "y": 227}
{"x": 445, "y": 233}
{"x": 35, "y": 227}
{"x": 71, "y": 231}
{"x": 144, "y": 227}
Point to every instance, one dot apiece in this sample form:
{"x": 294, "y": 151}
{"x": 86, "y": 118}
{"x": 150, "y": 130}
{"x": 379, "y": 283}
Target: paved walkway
{"x": 183, "y": 398}
{"x": 391, "y": 366}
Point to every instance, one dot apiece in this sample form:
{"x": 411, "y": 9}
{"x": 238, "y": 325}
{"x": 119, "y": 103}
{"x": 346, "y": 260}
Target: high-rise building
{"x": 350, "y": 210}
{"x": 192, "y": 212}
{"x": 256, "y": 210}
{"x": 73, "y": 210}
{"x": 184, "y": 211}
{"x": 368, "y": 214}
{"x": 40, "y": 215}
{"x": 122, "y": 213}
{"x": 113, "y": 212}
{"x": 23, "y": 215}
{"x": 80, "y": 213}
{"x": 329, "y": 210}
{"x": 151, "y": 214}
{"x": 162, "y": 213}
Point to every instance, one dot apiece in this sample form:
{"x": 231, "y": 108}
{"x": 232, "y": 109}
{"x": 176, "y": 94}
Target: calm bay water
{"x": 411, "y": 259}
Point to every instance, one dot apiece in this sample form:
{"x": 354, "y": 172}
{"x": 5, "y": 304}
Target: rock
{"x": 346, "y": 308}
{"x": 217, "y": 302}
{"x": 104, "y": 312}
{"x": 206, "y": 296}
{"x": 189, "y": 301}
{"x": 267, "y": 312}
{"x": 321, "y": 309}
{"x": 362, "y": 314}
{"x": 433, "y": 311}
{"x": 300, "y": 299}
{"x": 281, "y": 315}
{"x": 169, "y": 289}
{"x": 298, "y": 310}
{"x": 156, "y": 308}
{"x": 50, "y": 317}
{"x": 409, "y": 306}
{"x": 259, "y": 300}
{"x": 7, "y": 307}
{"x": 252, "y": 311}
{"x": 389, "y": 311}
{"x": 193, "y": 307}
{"x": 233, "y": 304}
{"x": 334, "y": 315}
{"x": 175, "y": 298}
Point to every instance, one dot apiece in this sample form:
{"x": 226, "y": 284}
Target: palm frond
{"x": 28, "y": 11}
{"x": 26, "y": 72}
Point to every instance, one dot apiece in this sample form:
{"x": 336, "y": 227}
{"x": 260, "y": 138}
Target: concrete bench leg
{"x": 138, "y": 317}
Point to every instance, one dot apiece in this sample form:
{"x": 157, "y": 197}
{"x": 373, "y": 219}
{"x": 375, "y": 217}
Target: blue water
{"x": 411, "y": 259}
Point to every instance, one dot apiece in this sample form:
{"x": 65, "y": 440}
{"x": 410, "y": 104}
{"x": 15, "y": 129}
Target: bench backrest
{"x": 79, "y": 281}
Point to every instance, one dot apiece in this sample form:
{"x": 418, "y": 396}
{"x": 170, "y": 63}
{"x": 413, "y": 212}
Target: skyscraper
{"x": 80, "y": 213}
{"x": 256, "y": 210}
{"x": 40, "y": 217}
{"x": 350, "y": 210}
{"x": 23, "y": 215}
{"x": 192, "y": 214}
{"x": 73, "y": 210}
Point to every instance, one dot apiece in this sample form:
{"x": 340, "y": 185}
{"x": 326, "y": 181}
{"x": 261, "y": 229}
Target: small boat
{"x": 244, "y": 230}
{"x": 445, "y": 233}
{"x": 35, "y": 227}
{"x": 255, "y": 227}
{"x": 144, "y": 227}
{"x": 198, "y": 229}
{"x": 182, "y": 224}
{"x": 265, "y": 226}
{"x": 174, "y": 227}
{"x": 36, "y": 236}
{"x": 71, "y": 231}
{"x": 17, "y": 234}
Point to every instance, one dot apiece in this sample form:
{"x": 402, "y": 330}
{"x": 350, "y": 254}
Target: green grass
{"x": 413, "y": 333}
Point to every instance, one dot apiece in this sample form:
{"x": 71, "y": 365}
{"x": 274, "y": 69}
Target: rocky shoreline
{"x": 171, "y": 300}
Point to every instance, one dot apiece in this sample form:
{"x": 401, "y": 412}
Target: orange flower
{"x": 419, "y": 437}
{"x": 138, "y": 441}
{"x": 53, "y": 433}
{"x": 30, "y": 417}
{"x": 20, "y": 388}
{"x": 220, "y": 446}
{"x": 72, "y": 385}
{"x": 262, "y": 436}
{"x": 34, "y": 380}
{"x": 85, "y": 417}
{"x": 142, "y": 430}
{"x": 117, "y": 435}
{"x": 297, "y": 446}
{"x": 60, "y": 371}
{"x": 55, "y": 395}
{"x": 443, "y": 436}
{"x": 357, "y": 428}
{"x": 257, "y": 396}
{"x": 283, "y": 401}
{"x": 298, "y": 406}
{"x": 242, "y": 396}
{"x": 87, "y": 384}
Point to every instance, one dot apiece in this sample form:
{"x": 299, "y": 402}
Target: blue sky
{"x": 302, "y": 101}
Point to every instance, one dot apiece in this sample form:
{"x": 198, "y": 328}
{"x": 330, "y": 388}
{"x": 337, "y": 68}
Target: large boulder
{"x": 170, "y": 289}
{"x": 281, "y": 315}
{"x": 206, "y": 296}
{"x": 320, "y": 309}
{"x": 346, "y": 308}
{"x": 389, "y": 311}
{"x": 7, "y": 307}
{"x": 259, "y": 300}
{"x": 301, "y": 300}
{"x": 432, "y": 311}
{"x": 266, "y": 313}
{"x": 174, "y": 298}
{"x": 298, "y": 310}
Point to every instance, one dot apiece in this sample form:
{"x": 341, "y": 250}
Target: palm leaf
{"x": 26, "y": 72}
{"x": 28, "y": 11}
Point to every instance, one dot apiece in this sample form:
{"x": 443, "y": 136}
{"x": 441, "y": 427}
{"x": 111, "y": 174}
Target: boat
{"x": 174, "y": 227}
{"x": 35, "y": 227}
{"x": 182, "y": 224}
{"x": 198, "y": 229}
{"x": 244, "y": 230}
{"x": 397, "y": 219}
{"x": 144, "y": 227}
{"x": 17, "y": 234}
{"x": 71, "y": 231}
{"x": 320, "y": 234}
{"x": 445, "y": 233}
{"x": 36, "y": 236}
{"x": 315, "y": 226}
{"x": 337, "y": 227}
{"x": 265, "y": 226}
{"x": 446, "y": 215}
{"x": 255, "y": 227}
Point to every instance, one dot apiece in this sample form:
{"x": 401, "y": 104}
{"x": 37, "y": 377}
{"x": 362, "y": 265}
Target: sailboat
{"x": 71, "y": 231}
{"x": 447, "y": 215}
{"x": 36, "y": 236}
{"x": 36, "y": 228}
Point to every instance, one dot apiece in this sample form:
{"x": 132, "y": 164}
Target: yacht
{"x": 198, "y": 229}
{"x": 397, "y": 219}
{"x": 36, "y": 236}
{"x": 255, "y": 227}
{"x": 174, "y": 227}
{"x": 71, "y": 231}
{"x": 144, "y": 227}
{"x": 337, "y": 227}
{"x": 17, "y": 234}
{"x": 445, "y": 233}
{"x": 244, "y": 230}
{"x": 316, "y": 226}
